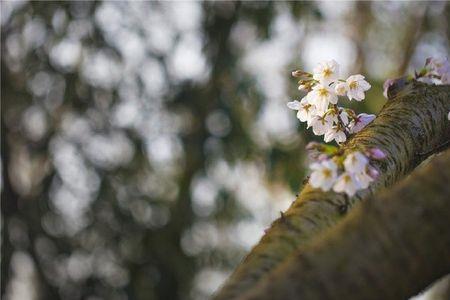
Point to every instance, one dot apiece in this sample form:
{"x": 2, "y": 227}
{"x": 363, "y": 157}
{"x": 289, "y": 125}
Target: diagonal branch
{"x": 390, "y": 247}
{"x": 408, "y": 125}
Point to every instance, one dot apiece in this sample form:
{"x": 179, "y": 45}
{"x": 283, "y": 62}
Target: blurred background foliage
{"x": 145, "y": 146}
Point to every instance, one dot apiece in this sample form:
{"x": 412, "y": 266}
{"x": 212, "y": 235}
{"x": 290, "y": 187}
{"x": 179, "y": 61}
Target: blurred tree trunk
{"x": 390, "y": 247}
{"x": 360, "y": 19}
{"x": 409, "y": 128}
{"x": 413, "y": 33}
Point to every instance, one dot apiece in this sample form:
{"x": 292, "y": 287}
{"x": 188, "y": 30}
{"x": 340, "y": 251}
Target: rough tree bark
{"x": 409, "y": 128}
{"x": 389, "y": 247}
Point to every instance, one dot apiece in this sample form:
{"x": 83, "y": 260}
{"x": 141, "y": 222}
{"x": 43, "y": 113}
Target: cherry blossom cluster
{"x": 343, "y": 173}
{"x": 436, "y": 71}
{"x": 319, "y": 108}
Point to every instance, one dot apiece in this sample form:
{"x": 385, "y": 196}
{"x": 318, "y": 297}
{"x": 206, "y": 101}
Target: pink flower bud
{"x": 387, "y": 84}
{"x": 376, "y": 153}
{"x": 373, "y": 172}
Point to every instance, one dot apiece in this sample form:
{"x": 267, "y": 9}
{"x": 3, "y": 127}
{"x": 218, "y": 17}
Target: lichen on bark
{"x": 408, "y": 126}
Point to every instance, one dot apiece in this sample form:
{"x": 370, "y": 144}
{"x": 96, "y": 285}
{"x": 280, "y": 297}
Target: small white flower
{"x": 344, "y": 117}
{"x": 305, "y": 110}
{"x": 295, "y": 105}
{"x": 322, "y": 123}
{"x": 335, "y": 133}
{"x": 363, "y": 180}
{"x": 326, "y": 72}
{"x": 356, "y": 87}
{"x": 361, "y": 121}
{"x": 439, "y": 66}
{"x": 346, "y": 183}
{"x": 429, "y": 80}
{"x": 445, "y": 78}
{"x": 341, "y": 88}
{"x": 355, "y": 162}
{"x": 324, "y": 174}
{"x": 321, "y": 96}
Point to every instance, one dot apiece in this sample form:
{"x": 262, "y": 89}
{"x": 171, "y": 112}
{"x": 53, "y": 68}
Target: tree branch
{"x": 410, "y": 124}
{"x": 390, "y": 247}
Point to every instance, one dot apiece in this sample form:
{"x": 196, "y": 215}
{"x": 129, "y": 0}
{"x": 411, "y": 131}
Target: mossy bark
{"x": 390, "y": 247}
{"x": 408, "y": 129}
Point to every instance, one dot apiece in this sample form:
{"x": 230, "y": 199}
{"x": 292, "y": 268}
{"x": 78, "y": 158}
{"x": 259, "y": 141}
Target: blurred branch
{"x": 390, "y": 247}
{"x": 414, "y": 123}
{"x": 360, "y": 21}
{"x": 412, "y": 36}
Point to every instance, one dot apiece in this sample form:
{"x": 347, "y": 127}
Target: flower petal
{"x": 295, "y": 105}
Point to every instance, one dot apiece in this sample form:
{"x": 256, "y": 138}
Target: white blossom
{"x": 355, "y": 162}
{"x": 445, "y": 78}
{"x": 341, "y": 88}
{"x": 356, "y": 87}
{"x": 326, "y": 72}
{"x": 429, "y": 80}
{"x": 321, "y": 96}
{"x": 360, "y": 122}
{"x": 439, "y": 66}
{"x": 294, "y": 105}
{"x": 322, "y": 123}
{"x": 324, "y": 174}
{"x": 305, "y": 110}
{"x": 335, "y": 133}
{"x": 363, "y": 180}
{"x": 346, "y": 183}
{"x": 344, "y": 117}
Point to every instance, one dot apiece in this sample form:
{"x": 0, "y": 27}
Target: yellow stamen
{"x": 326, "y": 173}
{"x": 323, "y": 92}
{"x": 353, "y": 85}
{"x": 347, "y": 178}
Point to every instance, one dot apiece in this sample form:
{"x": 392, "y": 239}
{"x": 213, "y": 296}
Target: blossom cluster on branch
{"x": 348, "y": 173}
{"x": 331, "y": 168}
{"x": 436, "y": 71}
{"x": 319, "y": 108}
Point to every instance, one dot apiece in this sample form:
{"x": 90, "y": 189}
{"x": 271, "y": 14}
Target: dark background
{"x": 145, "y": 146}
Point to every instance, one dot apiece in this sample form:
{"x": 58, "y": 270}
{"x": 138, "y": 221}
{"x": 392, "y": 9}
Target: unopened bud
{"x": 373, "y": 172}
{"x": 299, "y": 73}
{"x": 377, "y": 153}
